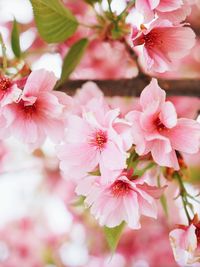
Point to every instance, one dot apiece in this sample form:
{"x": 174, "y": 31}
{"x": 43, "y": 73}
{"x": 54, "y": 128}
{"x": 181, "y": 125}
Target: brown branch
{"x": 133, "y": 87}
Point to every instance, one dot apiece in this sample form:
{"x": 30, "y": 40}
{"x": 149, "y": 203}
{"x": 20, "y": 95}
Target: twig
{"x": 133, "y": 87}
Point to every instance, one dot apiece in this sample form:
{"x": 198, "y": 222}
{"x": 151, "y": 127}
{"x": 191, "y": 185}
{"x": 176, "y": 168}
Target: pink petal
{"x": 39, "y": 80}
{"x": 168, "y": 115}
{"x": 185, "y": 136}
{"x": 146, "y": 8}
{"x": 164, "y": 159}
{"x": 112, "y": 157}
{"x": 137, "y": 133}
{"x": 131, "y": 207}
{"x": 152, "y": 93}
{"x": 154, "y": 191}
{"x": 78, "y": 130}
{"x": 169, "y": 5}
{"x": 85, "y": 185}
{"x": 176, "y": 16}
{"x": 147, "y": 208}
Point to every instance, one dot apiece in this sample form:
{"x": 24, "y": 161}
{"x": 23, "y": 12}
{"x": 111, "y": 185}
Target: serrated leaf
{"x": 72, "y": 59}
{"x": 15, "y": 42}
{"x": 54, "y": 21}
{"x": 113, "y": 235}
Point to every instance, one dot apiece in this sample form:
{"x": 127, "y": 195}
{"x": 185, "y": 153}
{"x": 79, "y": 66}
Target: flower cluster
{"x": 116, "y": 156}
{"x": 103, "y": 152}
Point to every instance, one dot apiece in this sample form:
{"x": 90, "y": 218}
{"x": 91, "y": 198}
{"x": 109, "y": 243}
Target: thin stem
{"x": 3, "y": 48}
{"x": 183, "y": 194}
{"x": 126, "y": 8}
{"x": 163, "y": 199}
{"x": 109, "y": 6}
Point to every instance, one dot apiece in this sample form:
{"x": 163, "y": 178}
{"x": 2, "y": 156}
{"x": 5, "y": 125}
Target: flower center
{"x": 153, "y": 39}
{"x": 29, "y": 110}
{"x": 120, "y": 188}
{"x": 159, "y": 125}
{"x": 23, "y": 251}
{"x": 99, "y": 139}
{"x": 5, "y": 83}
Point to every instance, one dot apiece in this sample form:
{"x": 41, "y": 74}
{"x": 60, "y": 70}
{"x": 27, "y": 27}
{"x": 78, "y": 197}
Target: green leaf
{"x": 113, "y": 235}
{"x": 72, "y": 59}
{"x": 54, "y": 21}
{"x": 15, "y": 43}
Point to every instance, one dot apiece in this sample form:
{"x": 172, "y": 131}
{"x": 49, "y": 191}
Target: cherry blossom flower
{"x": 156, "y": 128}
{"x": 164, "y": 44}
{"x": 38, "y": 113}
{"x": 162, "y": 7}
{"x": 130, "y": 198}
{"x": 95, "y": 139}
{"x": 185, "y": 242}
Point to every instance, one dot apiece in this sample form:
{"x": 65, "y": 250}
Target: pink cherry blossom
{"x": 156, "y": 128}
{"x": 38, "y": 113}
{"x": 163, "y": 8}
{"x": 185, "y": 244}
{"x": 164, "y": 44}
{"x": 92, "y": 140}
{"x": 130, "y": 198}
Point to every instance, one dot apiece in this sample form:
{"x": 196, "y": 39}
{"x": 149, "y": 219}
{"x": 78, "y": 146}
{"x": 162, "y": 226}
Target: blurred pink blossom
{"x": 164, "y": 44}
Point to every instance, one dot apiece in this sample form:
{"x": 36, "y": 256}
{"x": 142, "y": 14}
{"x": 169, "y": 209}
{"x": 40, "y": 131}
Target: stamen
{"x": 5, "y": 83}
{"x": 99, "y": 139}
{"x": 120, "y": 188}
{"x": 159, "y": 125}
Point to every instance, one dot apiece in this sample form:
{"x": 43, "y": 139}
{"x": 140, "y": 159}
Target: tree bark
{"x": 133, "y": 87}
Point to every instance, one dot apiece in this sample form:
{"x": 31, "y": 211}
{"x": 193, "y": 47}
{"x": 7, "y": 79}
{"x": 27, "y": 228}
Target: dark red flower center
{"x": 159, "y": 125}
{"x": 152, "y": 39}
{"x": 120, "y": 188}
{"x": 29, "y": 110}
{"x": 5, "y": 83}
